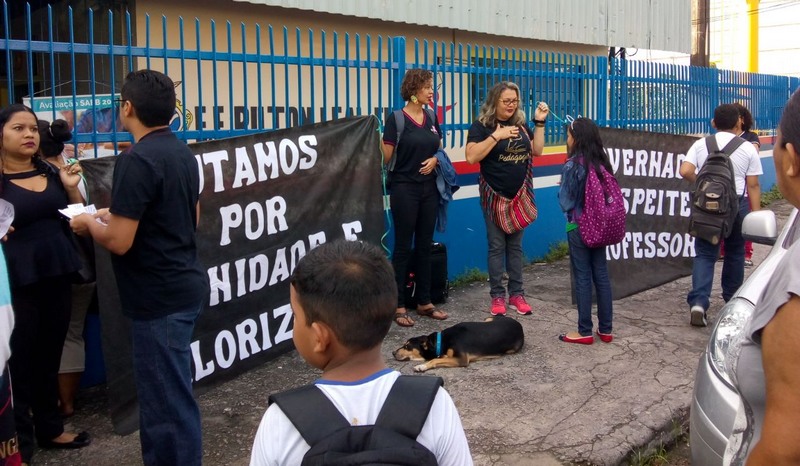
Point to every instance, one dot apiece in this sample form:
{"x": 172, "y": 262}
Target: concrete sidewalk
{"x": 552, "y": 403}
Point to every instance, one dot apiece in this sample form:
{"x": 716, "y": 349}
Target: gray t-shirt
{"x": 785, "y": 282}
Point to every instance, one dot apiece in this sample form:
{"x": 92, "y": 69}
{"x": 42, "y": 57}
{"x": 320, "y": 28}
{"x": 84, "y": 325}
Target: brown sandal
{"x": 433, "y": 313}
{"x": 403, "y": 319}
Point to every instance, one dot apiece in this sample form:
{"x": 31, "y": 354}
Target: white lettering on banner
{"x": 253, "y": 273}
{"x": 283, "y": 332}
{"x": 350, "y": 229}
{"x": 659, "y": 202}
{"x": 215, "y": 159}
{"x": 651, "y": 164}
{"x": 228, "y": 348}
{"x": 232, "y": 216}
{"x": 268, "y": 161}
{"x": 652, "y": 244}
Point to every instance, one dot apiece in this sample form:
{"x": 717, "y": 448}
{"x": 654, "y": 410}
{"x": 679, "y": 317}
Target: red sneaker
{"x": 498, "y": 306}
{"x": 522, "y": 307}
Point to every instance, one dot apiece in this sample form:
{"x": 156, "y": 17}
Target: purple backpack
{"x": 602, "y": 222}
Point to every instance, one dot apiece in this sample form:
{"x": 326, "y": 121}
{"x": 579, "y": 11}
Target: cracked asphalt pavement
{"x": 550, "y": 404}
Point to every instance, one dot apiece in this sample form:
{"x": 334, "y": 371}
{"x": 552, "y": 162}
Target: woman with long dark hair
{"x": 41, "y": 263}
{"x": 585, "y": 151}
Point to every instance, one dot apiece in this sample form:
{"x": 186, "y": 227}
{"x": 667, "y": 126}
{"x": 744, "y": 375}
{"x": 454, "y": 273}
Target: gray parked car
{"x": 715, "y": 400}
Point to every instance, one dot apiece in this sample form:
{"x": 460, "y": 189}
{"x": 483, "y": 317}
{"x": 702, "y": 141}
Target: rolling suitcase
{"x": 440, "y": 284}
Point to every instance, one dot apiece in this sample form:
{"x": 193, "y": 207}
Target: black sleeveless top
{"x": 40, "y": 246}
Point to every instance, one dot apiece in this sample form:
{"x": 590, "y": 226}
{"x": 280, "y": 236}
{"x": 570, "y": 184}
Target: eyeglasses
{"x": 508, "y": 102}
{"x": 120, "y": 101}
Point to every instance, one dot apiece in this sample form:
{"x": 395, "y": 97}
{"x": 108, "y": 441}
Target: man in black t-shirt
{"x": 150, "y": 230}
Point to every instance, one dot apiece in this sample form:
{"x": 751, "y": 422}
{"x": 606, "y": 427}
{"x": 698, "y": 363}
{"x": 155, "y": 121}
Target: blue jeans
{"x": 732, "y": 268}
{"x": 504, "y": 250}
{"x": 169, "y": 418}
{"x": 589, "y": 265}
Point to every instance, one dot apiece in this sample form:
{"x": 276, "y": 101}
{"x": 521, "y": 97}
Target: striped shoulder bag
{"x": 511, "y": 215}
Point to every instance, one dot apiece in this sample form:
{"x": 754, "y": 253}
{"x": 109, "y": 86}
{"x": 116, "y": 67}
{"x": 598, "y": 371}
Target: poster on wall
{"x": 97, "y": 121}
{"x": 657, "y": 247}
{"x": 266, "y": 199}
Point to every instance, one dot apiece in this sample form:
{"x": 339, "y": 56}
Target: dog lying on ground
{"x": 463, "y": 343}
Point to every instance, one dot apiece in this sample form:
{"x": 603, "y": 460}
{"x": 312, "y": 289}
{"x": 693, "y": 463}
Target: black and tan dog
{"x": 463, "y": 343}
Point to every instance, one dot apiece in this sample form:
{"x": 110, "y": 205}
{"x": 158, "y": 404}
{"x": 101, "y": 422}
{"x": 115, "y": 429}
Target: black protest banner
{"x": 266, "y": 199}
{"x": 657, "y": 248}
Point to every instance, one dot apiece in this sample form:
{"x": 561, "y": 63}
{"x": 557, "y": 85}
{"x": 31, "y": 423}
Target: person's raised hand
{"x": 542, "y": 110}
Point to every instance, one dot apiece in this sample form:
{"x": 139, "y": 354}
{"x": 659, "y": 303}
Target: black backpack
{"x": 715, "y": 203}
{"x": 392, "y": 440}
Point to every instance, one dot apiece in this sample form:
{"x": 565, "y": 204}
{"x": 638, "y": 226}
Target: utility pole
{"x": 700, "y": 23}
{"x": 752, "y": 6}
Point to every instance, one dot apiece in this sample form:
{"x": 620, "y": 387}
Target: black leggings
{"x": 414, "y": 209}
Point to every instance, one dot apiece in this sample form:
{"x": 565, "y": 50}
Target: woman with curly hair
{"x": 414, "y": 196}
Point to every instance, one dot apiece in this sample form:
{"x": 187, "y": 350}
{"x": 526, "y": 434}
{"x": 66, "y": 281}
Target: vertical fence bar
{"x": 112, "y": 69}
{"x": 297, "y": 51}
{"x": 92, "y": 76}
{"x": 370, "y": 109}
{"x": 311, "y": 82}
{"x": 247, "y": 124}
{"x": 29, "y": 55}
{"x": 215, "y": 98}
{"x": 286, "y": 76}
{"x": 324, "y": 113}
{"x": 51, "y": 55}
{"x": 347, "y": 73}
{"x": 9, "y": 60}
{"x": 164, "y": 43}
{"x": 200, "y": 124}
{"x": 379, "y": 79}
{"x": 399, "y": 58}
{"x": 231, "y": 121}
{"x": 74, "y": 84}
{"x": 260, "y": 95}
{"x": 336, "y": 112}
{"x": 272, "y": 81}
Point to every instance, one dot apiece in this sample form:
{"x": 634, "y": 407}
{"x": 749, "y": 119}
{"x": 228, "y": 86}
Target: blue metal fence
{"x": 241, "y": 79}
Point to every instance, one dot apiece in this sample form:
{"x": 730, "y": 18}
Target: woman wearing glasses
{"x": 414, "y": 197}
{"x": 502, "y": 142}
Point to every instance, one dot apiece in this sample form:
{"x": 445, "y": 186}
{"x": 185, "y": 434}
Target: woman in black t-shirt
{"x": 414, "y": 197}
{"x": 503, "y": 143}
{"x": 41, "y": 262}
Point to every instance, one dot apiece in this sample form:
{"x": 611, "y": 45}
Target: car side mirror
{"x": 760, "y": 227}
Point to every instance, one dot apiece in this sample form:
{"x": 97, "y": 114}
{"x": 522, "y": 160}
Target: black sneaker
{"x": 698, "y": 318}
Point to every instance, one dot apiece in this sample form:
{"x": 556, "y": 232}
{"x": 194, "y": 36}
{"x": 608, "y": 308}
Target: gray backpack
{"x": 715, "y": 203}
